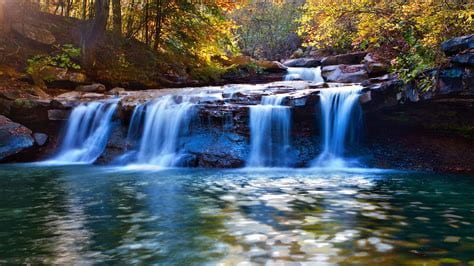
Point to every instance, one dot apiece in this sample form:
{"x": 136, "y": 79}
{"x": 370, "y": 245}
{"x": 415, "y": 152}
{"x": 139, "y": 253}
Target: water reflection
{"x": 84, "y": 214}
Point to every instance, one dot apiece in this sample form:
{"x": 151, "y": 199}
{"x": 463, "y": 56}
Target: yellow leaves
{"x": 373, "y": 22}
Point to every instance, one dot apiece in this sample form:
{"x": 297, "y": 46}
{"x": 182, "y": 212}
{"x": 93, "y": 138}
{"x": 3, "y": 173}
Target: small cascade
{"x": 165, "y": 121}
{"x": 270, "y": 133}
{"x": 302, "y": 73}
{"x": 87, "y": 132}
{"x": 340, "y": 114}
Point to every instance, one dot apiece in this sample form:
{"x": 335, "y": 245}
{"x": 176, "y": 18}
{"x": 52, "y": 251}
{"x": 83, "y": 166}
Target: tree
{"x": 117, "y": 16}
{"x": 96, "y": 31}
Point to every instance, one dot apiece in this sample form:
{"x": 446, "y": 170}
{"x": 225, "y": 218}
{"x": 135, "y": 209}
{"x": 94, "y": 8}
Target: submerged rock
{"x": 14, "y": 137}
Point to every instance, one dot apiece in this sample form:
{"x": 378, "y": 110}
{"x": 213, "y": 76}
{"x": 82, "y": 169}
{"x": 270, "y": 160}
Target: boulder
{"x": 344, "y": 59}
{"x": 466, "y": 59}
{"x": 240, "y": 60}
{"x": 115, "y": 91}
{"x": 303, "y": 62}
{"x": 58, "y": 115}
{"x": 373, "y": 67}
{"x": 40, "y": 138}
{"x": 450, "y": 80}
{"x": 14, "y": 138}
{"x": 272, "y": 66}
{"x": 458, "y": 44}
{"x": 96, "y": 87}
{"x": 345, "y": 73}
{"x": 34, "y": 32}
{"x": 57, "y": 74}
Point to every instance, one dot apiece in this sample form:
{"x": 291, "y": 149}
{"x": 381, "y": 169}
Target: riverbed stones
{"x": 344, "y": 59}
{"x": 96, "y": 87}
{"x": 14, "y": 137}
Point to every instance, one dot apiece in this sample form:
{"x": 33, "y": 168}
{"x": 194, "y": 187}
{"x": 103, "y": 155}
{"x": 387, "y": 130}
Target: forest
{"x": 237, "y": 132}
{"x": 203, "y": 39}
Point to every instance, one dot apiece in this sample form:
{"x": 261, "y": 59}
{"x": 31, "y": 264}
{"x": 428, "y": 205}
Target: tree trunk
{"x": 84, "y": 9}
{"x": 158, "y": 23}
{"x": 129, "y": 30}
{"x": 4, "y": 22}
{"x": 147, "y": 40}
{"x": 117, "y": 17}
{"x": 96, "y": 31}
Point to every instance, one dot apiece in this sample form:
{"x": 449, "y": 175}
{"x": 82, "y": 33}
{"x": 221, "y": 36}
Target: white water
{"x": 87, "y": 133}
{"x": 164, "y": 122}
{"x": 339, "y": 113}
{"x": 269, "y": 133}
{"x": 302, "y": 73}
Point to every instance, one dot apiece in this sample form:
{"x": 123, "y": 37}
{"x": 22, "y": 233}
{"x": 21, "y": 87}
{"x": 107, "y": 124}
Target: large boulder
{"x": 272, "y": 66}
{"x": 374, "y": 68}
{"x": 303, "y": 62}
{"x": 14, "y": 138}
{"x": 450, "y": 80}
{"x": 59, "y": 75}
{"x": 466, "y": 59}
{"x": 34, "y": 32}
{"x": 345, "y": 73}
{"x": 344, "y": 59}
{"x": 458, "y": 44}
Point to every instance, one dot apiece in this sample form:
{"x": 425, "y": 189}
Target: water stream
{"x": 270, "y": 124}
{"x": 87, "y": 132}
{"x": 301, "y": 73}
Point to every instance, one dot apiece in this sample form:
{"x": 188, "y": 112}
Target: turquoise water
{"x": 91, "y": 214}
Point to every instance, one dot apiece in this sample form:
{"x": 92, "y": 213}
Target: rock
{"x": 272, "y": 66}
{"x": 344, "y": 59}
{"x": 40, "y": 138}
{"x": 450, "y": 80}
{"x": 57, "y": 74}
{"x": 69, "y": 96}
{"x": 13, "y": 137}
{"x": 34, "y": 32}
{"x": 345, "y": 73}
{"x": 96, "y": 87}
{"x": 115, "y": 91}
{"x": 298, "y": 53}
{"x": 240, "y": 60}
{"x": 466, "y": 59}
{"x": 373, "y": 67}
{"x": 303, "y": 62}
{"x": 58, "y": 115}
{"x": 458, "y": 44}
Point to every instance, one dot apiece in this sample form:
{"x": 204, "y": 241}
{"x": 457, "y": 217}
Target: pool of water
{"x": 90, "y": 214}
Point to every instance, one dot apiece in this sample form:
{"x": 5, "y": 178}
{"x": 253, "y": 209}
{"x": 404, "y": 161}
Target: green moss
{"x": 449, "y": 261}
{"x": 24, "y": 103}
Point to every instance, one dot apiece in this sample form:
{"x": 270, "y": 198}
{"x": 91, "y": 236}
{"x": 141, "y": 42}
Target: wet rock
{"x": 450, "y": 80}
{"x": 96, "y": 87}
{"x": 40, "y": 138}
{"x": 58, "y": 115}
{"x": 466, "y": 59}
{"x": 458, "y": 44}
{"x": 344, "y": 59}
{"x": 34, "y": 32}
{"x": 345, "y": 73}
{"x": 303, "y": 62}
{"x": 14, "y": 137}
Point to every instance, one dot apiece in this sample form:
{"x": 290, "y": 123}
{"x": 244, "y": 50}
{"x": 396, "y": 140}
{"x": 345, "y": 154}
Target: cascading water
{"x": 340, "y": 111}
{"x": 301, "y": 73}
{"x": 165, "y": 121}
{"x": 270, "y": 133}
{"x": 87, "y": 133}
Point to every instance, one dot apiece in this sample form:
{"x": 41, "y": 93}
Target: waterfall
{"x": 269, "y": 133}
{"x": 302, "y": 73}
{"x": 87, "y": 133}
{"x": 340, "y": 111}
{"x": 165, "y": 121}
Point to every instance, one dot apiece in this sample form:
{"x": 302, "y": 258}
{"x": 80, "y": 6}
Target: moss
{"x": 24, "y": 103}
